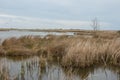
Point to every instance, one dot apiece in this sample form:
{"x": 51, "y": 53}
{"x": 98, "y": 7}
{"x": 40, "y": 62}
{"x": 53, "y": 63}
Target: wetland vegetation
{"x": 79, "y": 54}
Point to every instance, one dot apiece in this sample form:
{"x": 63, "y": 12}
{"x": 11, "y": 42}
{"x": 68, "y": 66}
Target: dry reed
{"x": 71, "y": 50}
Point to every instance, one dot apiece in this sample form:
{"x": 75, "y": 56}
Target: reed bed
{"x": 72, "y": 51}
{"x": 92, "y": 51}
{"x": 101, "y": 34}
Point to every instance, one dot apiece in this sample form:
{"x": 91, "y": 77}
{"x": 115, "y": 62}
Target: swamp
{"x": 59, "y": 55}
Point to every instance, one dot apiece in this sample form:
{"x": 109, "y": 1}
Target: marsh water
{"x": 16, "y": 33}
{"x": 33, "y": 68}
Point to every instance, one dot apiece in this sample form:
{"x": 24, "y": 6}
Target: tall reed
{"x": 71, "y": 50}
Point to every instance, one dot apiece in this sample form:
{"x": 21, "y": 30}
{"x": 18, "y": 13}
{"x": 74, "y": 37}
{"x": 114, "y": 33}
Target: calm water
{"x": 16, "y": 33}
{"x": 32, "y": 68}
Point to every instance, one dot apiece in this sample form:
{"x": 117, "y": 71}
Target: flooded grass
{"x": 60, "y": 57}
{"x": 73, "y": 51}
{"x": 32, "y": 68}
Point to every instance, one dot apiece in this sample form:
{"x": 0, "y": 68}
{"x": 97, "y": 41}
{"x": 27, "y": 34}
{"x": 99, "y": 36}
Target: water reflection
{"x": 38, "y": 68}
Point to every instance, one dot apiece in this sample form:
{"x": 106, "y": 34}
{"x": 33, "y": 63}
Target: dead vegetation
{"x": 75, "y": 51}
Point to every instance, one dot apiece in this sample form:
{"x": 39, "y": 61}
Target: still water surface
{"x": 31, "y": 68}
{"x": 17, "y": 33}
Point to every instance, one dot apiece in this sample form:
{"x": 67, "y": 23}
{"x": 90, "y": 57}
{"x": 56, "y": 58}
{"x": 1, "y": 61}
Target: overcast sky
{"x": 70, "y": 14}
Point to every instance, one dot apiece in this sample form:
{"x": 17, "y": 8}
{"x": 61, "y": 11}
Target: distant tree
{"x": 95, "y": 25}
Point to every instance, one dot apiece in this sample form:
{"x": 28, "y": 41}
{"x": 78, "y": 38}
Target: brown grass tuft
{"x": 71, "y": 50}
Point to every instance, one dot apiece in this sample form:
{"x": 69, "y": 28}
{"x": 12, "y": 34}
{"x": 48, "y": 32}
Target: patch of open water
{"x": 33, "y": 68}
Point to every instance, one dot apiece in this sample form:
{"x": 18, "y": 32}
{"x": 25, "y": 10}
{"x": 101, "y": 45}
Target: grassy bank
{"x": 75, "y": 51}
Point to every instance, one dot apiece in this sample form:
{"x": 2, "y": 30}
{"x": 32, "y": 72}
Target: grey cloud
{"x": 76, "y": 10}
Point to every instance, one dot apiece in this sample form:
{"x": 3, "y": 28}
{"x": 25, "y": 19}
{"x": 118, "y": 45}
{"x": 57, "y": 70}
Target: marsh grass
{"x": 92, "y": 51}
{"x": 99, "y": 34}
{"x": 72, "y": 51}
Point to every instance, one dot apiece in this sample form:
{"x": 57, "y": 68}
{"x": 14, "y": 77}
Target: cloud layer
{"x": 8, "y": 21}
{"x": 59, "y": 13}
